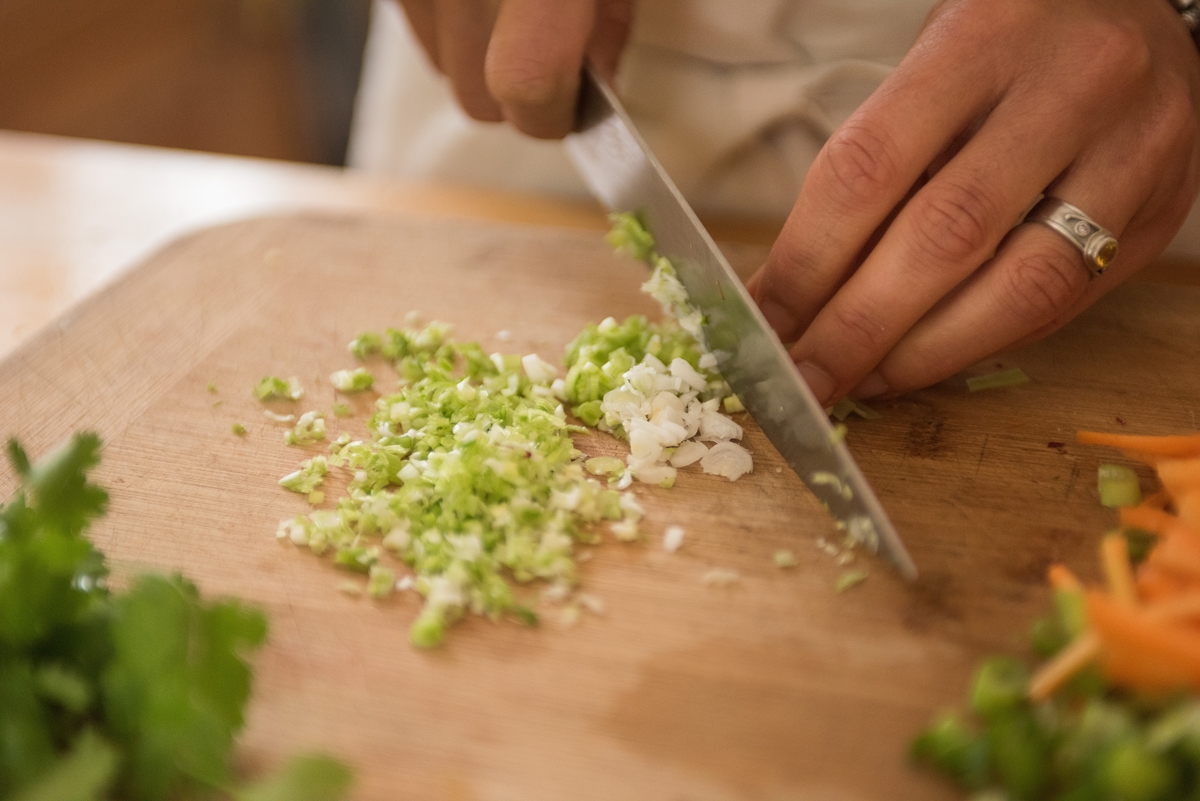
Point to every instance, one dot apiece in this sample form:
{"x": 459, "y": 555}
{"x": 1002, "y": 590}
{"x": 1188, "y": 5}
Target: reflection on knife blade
{"x": 624, "y": 175}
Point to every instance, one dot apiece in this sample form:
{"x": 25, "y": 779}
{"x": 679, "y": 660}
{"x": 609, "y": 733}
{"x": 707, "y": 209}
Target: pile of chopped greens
{"x": 135, "y": 694}
{"x": 470, "y": 476}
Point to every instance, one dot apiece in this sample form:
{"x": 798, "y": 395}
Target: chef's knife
{"x": 624, "y": 175}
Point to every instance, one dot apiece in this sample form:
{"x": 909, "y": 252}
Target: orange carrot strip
{"x": 1176, "y": 446}
{"x": 1061, "y": 578}
{"x": 1059, "y": 670}
{"x": 1147, "y": 518}
{"x": 1143, "y": 653}
{"x": 1187, "y": 506}
{"x": 1158, "y": 500}
{"x": 1180, "y": 608}
{"x": 1155, "y": 584}
{"x": 1179, "y": 476}
{"x": 1140, "y": 456}
{"x": 1114, "y": 555}
{"x": 1179, "y": 553}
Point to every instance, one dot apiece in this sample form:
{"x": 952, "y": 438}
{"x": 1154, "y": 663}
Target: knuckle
{"x": 953, "y": 224}
{"x": 858, "y": 164}
{"x": 526, "y": 83}
{"x": 1041, "y": 284}
{"x": 1118, "y": 51}
{"x": 858, "y": 328}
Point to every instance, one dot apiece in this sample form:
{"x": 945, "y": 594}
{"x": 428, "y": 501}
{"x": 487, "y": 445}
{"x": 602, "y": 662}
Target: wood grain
{"x": 775, "y": 688}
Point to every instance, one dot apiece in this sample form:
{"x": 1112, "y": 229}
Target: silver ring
{"x": 1096, "y": 243}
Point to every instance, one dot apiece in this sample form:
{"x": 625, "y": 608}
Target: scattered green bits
{"x": 784, "y": 558}
{"x": 342, "y": 410}
{"x": 356, "y": 380}
{"x": 238, "y": 429}
{"x": 212, "y": 387}
{"x": 1118, "y": 486}
{"x": 1001, "y": 378}
{"x": 849, "y": 578}
{"x": 273, "y": 388}
{"x": 309, "y": 428}
{"x": 733, "y": 404}
{"x": 366, "y": 345}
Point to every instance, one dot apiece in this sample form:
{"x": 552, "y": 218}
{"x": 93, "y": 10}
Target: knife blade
{"x": 624, "y": 175}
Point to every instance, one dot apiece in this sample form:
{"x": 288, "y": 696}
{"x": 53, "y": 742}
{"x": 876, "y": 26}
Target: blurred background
{"x": 268, "y": 78}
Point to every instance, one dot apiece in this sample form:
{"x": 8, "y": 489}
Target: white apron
{"x": 735, "y": 98}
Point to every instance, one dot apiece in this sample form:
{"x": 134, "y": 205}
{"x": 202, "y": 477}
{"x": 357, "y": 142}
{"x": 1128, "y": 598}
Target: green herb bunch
{"x": 132, "y": 695}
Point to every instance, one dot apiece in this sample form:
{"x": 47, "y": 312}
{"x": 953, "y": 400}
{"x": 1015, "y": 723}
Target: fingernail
{"x": 779, "y": 318}
{"x": 819, "y": 381}
{"x": 871, "y": 386}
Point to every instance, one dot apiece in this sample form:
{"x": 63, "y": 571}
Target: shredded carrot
{"x": 1177, "y": 553}
{"x": 1187, "y": 506}
{"x": 1146, "y": 627}
{"x": 1174, "y": 447}
{"x": 1141, "y": 652}
{"x": 1155, "y": 584}
{"x": 1179, "y": 476}
{"x": 1181, "y": 607}
{"x": 1059, "y": 670}
{"x": 1148, "y": 518}
{"x": 1061, "y": 578}
{"x": 1114, "y": 555}
{"x": 1159, "y": 500}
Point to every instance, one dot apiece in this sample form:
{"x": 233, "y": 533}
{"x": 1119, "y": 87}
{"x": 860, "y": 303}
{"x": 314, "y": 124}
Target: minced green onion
{"x": 342, "y": 410}
{"x": 310, "y": 475}
{"x": 469, "y": 476}
{"x": 367, "y": 344}
{"x": 309, "y": 428}
{"x": 238, "y": 429}
{"x": 1001, "y": 378}
{"x": 848, "y": 579}
{"x": 784, "y": 558}
{"x": 732, "y": 404}
{"x": 1118, "y": 486}
{"x": 212, "y": 387}
{"x": 604, "y": 465}
{"x": 848, "y": 406}
{"x": 357, "y": 380}
{"x": 272, "y": 387}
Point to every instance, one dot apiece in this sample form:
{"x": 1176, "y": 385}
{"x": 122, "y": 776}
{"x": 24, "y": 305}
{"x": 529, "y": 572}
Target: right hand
{"x": 520, "y": 60}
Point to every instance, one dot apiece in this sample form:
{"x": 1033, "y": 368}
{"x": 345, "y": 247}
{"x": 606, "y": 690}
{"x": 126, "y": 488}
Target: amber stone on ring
{"x": 1098, "y": 246}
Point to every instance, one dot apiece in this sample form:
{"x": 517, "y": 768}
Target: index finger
{"x": 534, "y": 61}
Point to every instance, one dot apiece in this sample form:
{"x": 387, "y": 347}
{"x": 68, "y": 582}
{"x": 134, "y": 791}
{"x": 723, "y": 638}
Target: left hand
{"x": 900, "y": 264}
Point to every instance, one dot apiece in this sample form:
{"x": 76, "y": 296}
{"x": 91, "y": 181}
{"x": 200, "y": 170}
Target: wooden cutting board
{"x": 774, "y": 688}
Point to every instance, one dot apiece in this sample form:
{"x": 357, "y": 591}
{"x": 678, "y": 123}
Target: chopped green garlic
{"x": 365, "y": 345}
{"x": 272, "y": 388}
{"x": 998, "y": 379}
{"x": 310, "y": 475}
{"x": 469, "y": 476}
{"x": 849, "y": 578}
{"x": 604, "y": 465}
{"x": 784, "y": 558}
{"x": 238, "y": 429}
{"x": 1118, "y": 486}
{"x": 309, "y": 428}
{"x": 357, "y": 380}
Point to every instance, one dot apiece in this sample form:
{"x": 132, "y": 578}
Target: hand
{"x": 899, "y": 264}
{"x": 520, "y": 60}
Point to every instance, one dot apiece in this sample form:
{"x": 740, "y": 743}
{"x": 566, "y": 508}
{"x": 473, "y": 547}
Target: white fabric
{"x": 735, "y": 98}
